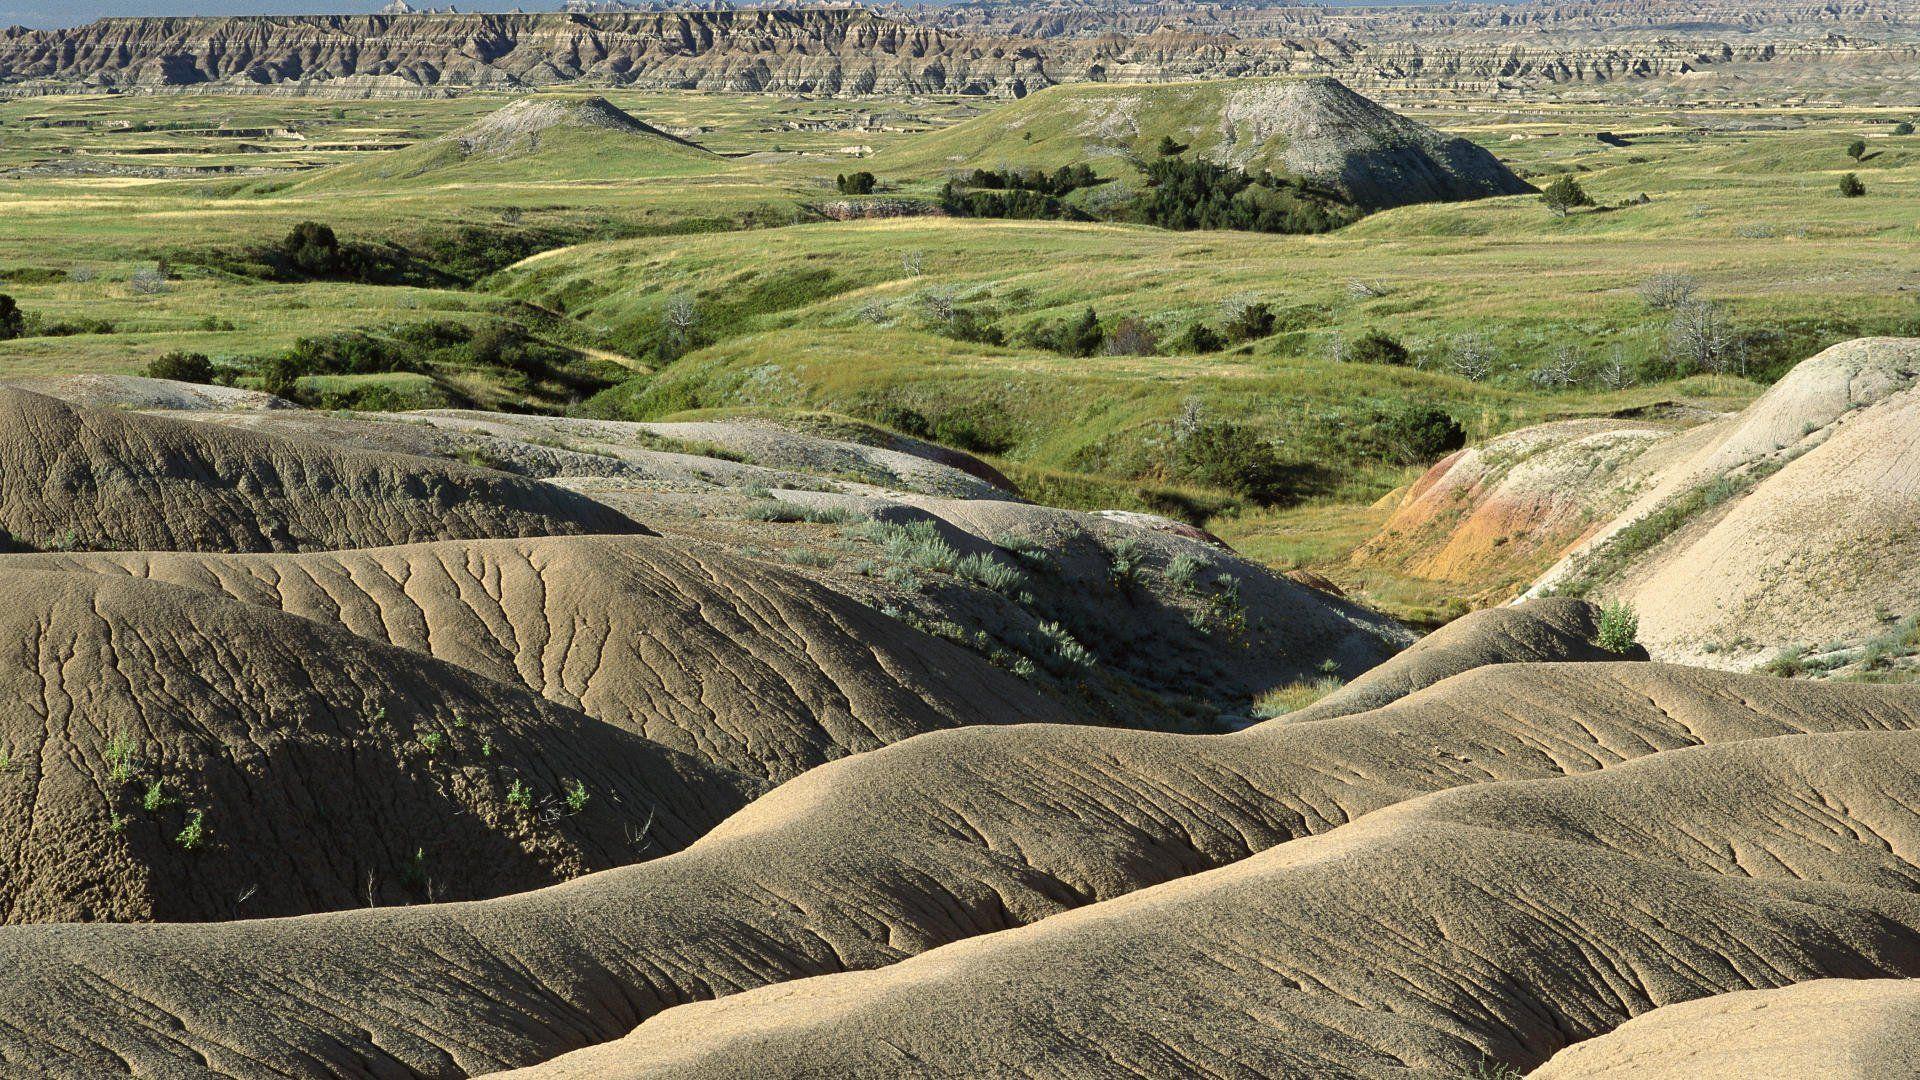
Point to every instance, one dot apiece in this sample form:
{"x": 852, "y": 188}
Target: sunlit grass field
{"x": 796, "y": 312}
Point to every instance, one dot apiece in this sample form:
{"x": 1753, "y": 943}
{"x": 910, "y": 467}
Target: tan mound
{"x": 1537, "y": 631}
{"x": 1492, "y": 924}
{"x": 869, "y": 860}
{"x": 139, "y": 392}
{"x": 324, "y": 771}
{"x": 1787, "y": 524}
{"x": 1854, "y": 1029}
{"x": 102, "y": 479}
{"x": 741, "y": 664}
{"x": 516, "y": 128}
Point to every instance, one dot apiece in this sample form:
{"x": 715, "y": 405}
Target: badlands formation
{"x": 1783, "y": 526}
{"x": 735, "y": 748}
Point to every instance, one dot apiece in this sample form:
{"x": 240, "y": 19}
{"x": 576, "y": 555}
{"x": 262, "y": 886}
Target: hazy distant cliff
{"x": 1000, "y": 50}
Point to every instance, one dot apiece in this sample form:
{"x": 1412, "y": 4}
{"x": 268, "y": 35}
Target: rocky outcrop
{"x": 1004, "y": 50}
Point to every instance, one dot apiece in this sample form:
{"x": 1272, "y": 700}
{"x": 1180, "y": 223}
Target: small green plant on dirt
{"x": 1183, "y": 571}
{"x": 1223, "y": 613}
{"x": 194, "y": 834}
{"x": 1063, "y": 654}
{"x": 519, "y": 795}
{"x": 577, "y": 796}
{"x": 1619, "y": 627}
{"x": 120, "y": 758}
{"x": 1489, "y": 1069}
{"x": 1789, "y": 663}
{"x": 486, "y": 746}
{"x": 1127, "y": 559}
{"x": 155, "y": 798}
{"x": 433, "y": 742}
{"x": 116, "y": 822}
{"x": 414, "y": 872}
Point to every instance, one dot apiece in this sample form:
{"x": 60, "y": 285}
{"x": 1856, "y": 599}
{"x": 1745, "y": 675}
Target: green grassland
{"x": 793, "y": 312}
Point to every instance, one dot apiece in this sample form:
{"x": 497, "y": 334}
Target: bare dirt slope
{"x": 1494, "y": 924}
{"x": 72, "y": 476}
{"x": 322, "y": 770}
{"x": 1490, "y": 518}
{"x": 870, "y": 860}
{"x": 1845, "y": 1029}
{"x": 1783, "y": 524}
{"x": 736, "y": 662}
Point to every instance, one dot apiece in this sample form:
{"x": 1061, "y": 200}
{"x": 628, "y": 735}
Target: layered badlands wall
{"x": 999, "y": 51}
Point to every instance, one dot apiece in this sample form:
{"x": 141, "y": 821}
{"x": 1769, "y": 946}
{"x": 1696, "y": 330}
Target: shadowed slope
{"x": 742, "y": 664}
{"x": 857, "y": 864}
{"x": 326, "y": 771}
{"x": 1853, "y": 1029}
{"x": 1498, "y": 922}
{"x": 98, "y": 478}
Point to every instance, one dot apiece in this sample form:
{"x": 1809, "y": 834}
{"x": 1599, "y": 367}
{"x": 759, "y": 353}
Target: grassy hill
{"x": 538, "y": 139}
{"x": 1313, "y": 128}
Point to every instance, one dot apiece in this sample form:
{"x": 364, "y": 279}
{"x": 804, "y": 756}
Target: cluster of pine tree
{"x": 1183, "y": 194}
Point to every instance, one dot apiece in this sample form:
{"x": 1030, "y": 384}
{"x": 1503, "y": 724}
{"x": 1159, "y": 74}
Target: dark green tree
{"x": 1851, "y": 187}
{"x": 1374, "y": 347}
{"x": 860, "y": 183}
{"x": 1565, "y": 195}
{"x": 182, "y": 366}
{"x": 13, "y": 322}
{"x": 1857, "y": 149}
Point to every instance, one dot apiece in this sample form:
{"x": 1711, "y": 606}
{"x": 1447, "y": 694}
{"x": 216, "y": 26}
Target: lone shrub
{"x": 1857, "y": 149}
{"x": 1619, "y": 627}
{"x": 860, "y": 183}
{"x": 1565, "y": 195}
{"x": 1416, "y": 434}
{"x": 1233, "y": 456}
{"x": 1851, "y": 187}
{"x": 1198, "y": 338}
{"x": 12, "y": 322}
{"x": 1374, "y": 347}
{"x": 182, "y": 366}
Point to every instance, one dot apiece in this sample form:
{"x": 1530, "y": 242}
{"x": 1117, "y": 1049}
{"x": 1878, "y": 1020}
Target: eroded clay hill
{"x": 1780, "y": 525}
{"x": 1492, "y": 925}
{"x": 743, "y": 665}
{"x": 171, "y": 754}
{"x": 1122, "y": 618}
{"x": 74, "y": 476}
{"x": 1556, "y": 897}
{"x": 1846, "y": 1029}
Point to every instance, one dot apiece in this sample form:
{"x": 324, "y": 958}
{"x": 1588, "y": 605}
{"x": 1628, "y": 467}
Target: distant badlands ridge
{"x": 1004, "y": 50}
